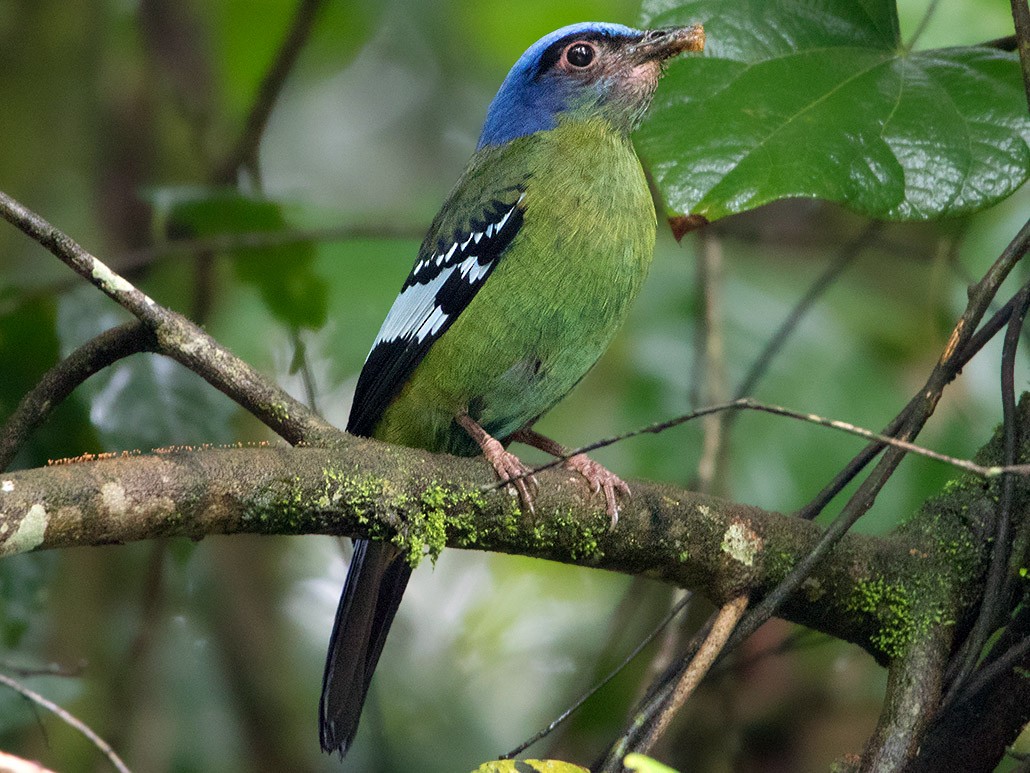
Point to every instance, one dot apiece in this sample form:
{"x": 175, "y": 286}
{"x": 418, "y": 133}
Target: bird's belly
{"x": 503, "y": 375}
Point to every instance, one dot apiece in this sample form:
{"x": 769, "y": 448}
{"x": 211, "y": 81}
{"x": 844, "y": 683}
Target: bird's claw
{"x": 512, "y": 471}
{"x": 600, "y": 478}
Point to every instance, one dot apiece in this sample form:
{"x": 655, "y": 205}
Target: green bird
{"x": 525, "y": 276}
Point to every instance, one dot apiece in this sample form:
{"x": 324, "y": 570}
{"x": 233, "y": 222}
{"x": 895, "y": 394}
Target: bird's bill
{"x": 661, "y": 44}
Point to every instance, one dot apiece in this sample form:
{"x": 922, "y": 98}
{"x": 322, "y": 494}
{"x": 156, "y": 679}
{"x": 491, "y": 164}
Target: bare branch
{"x": 244, "y": 154}
{"x": 722, "y": 626}
{"x": 179, "y": 338}
{"x": 718, "y": 548}
{"x": 67, "y": 718}
{"x": 62, "y": 379}
{"x": 1021, "y": 19}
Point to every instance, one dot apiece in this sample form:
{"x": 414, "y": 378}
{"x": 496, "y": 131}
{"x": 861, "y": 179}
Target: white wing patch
{"x": 418, "y": 311}
{"x": 413, "y": 307}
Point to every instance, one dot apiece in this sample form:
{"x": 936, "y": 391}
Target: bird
{"x": 522, "y": 280}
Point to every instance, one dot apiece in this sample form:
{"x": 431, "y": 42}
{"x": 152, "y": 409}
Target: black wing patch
{"x": 444, "y": 280}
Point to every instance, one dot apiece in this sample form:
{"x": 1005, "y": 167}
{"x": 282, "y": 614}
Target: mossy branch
{"x": 882, "y": 593}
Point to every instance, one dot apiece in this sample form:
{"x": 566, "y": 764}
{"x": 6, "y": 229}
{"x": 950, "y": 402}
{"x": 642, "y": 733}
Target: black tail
{"x": 378, "y": 574}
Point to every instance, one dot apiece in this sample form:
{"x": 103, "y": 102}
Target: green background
{"x": 208, "y": 656}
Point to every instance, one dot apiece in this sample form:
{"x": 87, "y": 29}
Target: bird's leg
{"x": 509, "y": 468}
{"x": 597, "y": 475}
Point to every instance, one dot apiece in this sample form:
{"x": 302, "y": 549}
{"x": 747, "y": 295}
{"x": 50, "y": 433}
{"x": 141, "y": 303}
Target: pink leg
{"x": 505, "y": 464}
{"x": 599, "y": 477}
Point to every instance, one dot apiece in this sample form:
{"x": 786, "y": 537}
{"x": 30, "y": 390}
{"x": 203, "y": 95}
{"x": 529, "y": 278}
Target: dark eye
{"x": 580, "y": 55}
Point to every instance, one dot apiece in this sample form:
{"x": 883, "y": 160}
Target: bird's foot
{"x": 509, "y": 468}
{"x": 600, "y": 478}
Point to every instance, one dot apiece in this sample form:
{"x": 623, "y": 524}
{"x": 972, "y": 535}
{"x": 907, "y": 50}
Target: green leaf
{"x": 641, "y": 764}
{"x": 820, "y": 100}
{"x": 284, "y": 274}
{"x": 529, "y": 766}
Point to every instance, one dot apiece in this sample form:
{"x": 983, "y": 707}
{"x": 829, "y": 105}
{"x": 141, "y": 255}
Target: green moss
{"x": 779, "y": 563}
{"x": 278, "y": 411}
{"x": 442, "y": 511}
{"x": 891, "y": 606}
{"x": 278, "y": 510}
{"x": 568, "y": 535}
{"x": 361, "y": 494}
{"x": 903, "y": 612}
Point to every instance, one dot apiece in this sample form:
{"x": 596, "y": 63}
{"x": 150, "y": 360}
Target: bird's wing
{"x": 454, "y": 262}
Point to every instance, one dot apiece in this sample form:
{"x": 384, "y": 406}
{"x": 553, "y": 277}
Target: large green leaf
{"x": 794, "y": 98}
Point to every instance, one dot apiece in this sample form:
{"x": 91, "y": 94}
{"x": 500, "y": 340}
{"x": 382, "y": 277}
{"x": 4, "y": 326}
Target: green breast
{"x": 556, "y": 298}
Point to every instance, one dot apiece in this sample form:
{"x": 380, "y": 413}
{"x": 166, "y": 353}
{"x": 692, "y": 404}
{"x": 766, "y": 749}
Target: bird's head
{"x": 584, "y": 70}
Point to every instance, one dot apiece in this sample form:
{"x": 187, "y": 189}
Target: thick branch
{"x": 989, "y": 713}
{"x": 913, "y": 692}
{"x": 368, "y": 488}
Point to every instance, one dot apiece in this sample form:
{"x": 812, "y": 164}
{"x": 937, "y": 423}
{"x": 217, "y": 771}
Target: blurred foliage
{"x": 209, "y": 657}
{"x": 283, "y": 275}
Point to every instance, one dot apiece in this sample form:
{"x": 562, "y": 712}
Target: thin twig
{"x": 748, "y": 404}
{"x": 1021, "y": 20}
{"x": 845, "y": 257}
{"x": 985, "y": 333}
{"x": 798, "y": 639}
{"x": 675, "y": 610}
{"x": 51, "y": 669}
{"x": 67, "y": 718}
{"x": 646, "y": 708}
{"x": 1017, "y": 630}
{"x": 995, "y": 584}
{"x": 726, "y": 619}
{"x": 996, "y": 668}
{"x": 62, "y": 379}
{"x": 244, "y": 153}
{"x": 179, "y": 338}
{"x": 924, "y": 22}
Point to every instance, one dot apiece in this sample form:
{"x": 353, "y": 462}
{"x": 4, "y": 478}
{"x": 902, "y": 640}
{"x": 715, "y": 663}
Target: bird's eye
{"x": 580, "y": 54}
